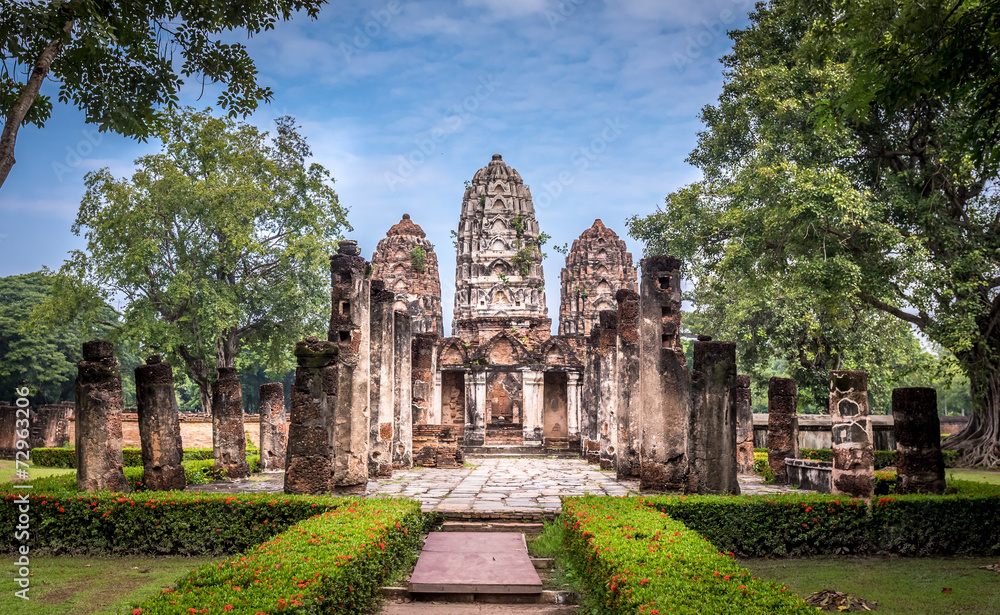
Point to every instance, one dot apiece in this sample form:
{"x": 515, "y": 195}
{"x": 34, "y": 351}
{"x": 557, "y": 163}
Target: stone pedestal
{"x": 664, "y": 381}
{"x": 782, "y": 426}
{"x": 273, "y": 427}
{"x": 309, "y": 462}
{"x": 712, "y": 437}
{"x": 629, "y": 413}
{"x": 159, "y": 426}
{"x": 382, "y": 393}
{"x": 228, "y": 436}
{"x": 851, "y": 431}
{"x": 919, "y": 462}
{"x": 744, "y": 425}
{"x": 99, "y": 405}
{"x": 402, "y": 436}
{"x": 350, "y": 329}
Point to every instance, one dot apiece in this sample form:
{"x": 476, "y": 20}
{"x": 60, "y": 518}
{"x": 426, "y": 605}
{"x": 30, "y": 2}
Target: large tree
{"x": 218, "y": 243}
{"x": 889, "y": 208}
{"x": 121, "y": 61}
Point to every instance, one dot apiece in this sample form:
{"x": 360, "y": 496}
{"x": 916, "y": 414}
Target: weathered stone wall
{"x": 382, "y": 389}
{"x": 853, "y": 454}
{"x": 227, "y": 425}
{"x": 417, "y": 290}
{"x": 422, "y": 375}
{"x": 664, "y": 382}
{"x": 350, "y": 328}
{"x": 919, "y": 462}
{"x": 273, "y": 427}
{"x": 597, "y": 266}
{"x": 311, "y": 422}
{"x": 49, "y": 425}
{"x": 712, "y": 435}
{"x": 436, "y": 446}
{"x": 782, "y": 426}
{"x": 159, "y": 428}
{"x": 98, "y": 414}
{"x": 627, "y": 460}
{"x": 744, "y": 425}
{"x": 402, "y": 435}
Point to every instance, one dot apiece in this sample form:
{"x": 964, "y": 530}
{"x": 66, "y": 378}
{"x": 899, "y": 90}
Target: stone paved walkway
{"x": 489, "y": 485}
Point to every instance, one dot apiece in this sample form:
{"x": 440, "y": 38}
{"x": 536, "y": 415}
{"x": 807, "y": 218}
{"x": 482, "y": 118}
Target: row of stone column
{"x": 916, "y": 426}
{"x": 355, "y": 393}
{"x": 99, "y": 407}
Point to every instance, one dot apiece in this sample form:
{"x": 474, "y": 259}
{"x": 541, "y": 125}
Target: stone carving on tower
{"x": 598, "y": 266}
{"x": 405, "y": 260}
{"x": 499, "y": 283}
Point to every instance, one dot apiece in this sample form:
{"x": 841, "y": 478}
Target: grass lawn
{"x": 979, "y": 476}
{"x": 88, "y": 585}
{"x": 900, "y": 585}
{"x": 7, "y": 471}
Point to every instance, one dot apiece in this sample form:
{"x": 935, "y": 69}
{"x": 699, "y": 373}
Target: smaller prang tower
{"x": 499, "y": 283}
{"x": 597, "y": 267}
{"x": 405, "y": 260}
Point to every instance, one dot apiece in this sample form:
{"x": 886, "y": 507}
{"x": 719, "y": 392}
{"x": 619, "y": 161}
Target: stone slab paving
{"x": 475, "y": 562}
{"x": 514, "y": 485}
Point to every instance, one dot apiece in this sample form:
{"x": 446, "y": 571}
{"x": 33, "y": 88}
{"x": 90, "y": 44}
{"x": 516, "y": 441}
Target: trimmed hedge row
{"x": 132, "y": 456}
{"x": 883, "y": 459}
{"x": 635, "y": 560}
{"x": 967, "y": 523}
{"x": 332, "y": 563}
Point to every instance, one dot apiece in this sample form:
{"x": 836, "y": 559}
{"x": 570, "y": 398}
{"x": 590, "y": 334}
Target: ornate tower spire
{"x": 499, "y": 282}
{"x": 598, "y": 266}
{"x": 406, "y": 262}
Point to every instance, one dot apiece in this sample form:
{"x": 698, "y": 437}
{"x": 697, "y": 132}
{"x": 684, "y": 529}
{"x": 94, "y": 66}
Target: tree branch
{"x": 920, "y": 321}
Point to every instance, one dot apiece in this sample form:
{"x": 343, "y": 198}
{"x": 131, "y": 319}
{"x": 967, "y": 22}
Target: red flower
{"x": 136, "y": 611}
{"x": 228, "y": 607}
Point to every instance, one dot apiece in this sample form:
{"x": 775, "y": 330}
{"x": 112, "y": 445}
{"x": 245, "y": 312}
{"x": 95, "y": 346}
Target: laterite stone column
{"x": 309, "y": 460}
{"x": 382, "y": 390}
{"x": 664, "y": 380}
{"x": 919, "y": 462}
{"x": 851, "y": 431}
{"x": 605, "y": 347}
{"x": 712, "y": 437}
{"x": 159, "y": 426}
{"x": 99, "y": 405}
{"x": 350, "y": 328}
{"x": 402, "y": 435}
{"x": 629, "y": 412}
{"x": 273, "y": 427}
{"x": 744, "y": 425}
{"x": 228, "y": 435}
{"x": 782, "y": 426}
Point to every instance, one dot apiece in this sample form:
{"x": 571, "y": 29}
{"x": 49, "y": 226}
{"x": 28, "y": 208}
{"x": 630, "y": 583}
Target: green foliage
{"x": 523, "y": 259}
{"x": 637, "y": 561}
{"x": 418, "y": 259}
{"x": 66, "y": 457}
{"x": 217, "y": 245}
{"x": 120, "y": 63}
{"x": 818, "y": 234}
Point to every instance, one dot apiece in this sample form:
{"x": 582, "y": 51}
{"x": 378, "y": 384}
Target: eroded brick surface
{"x": 98, "y": 420}
{"x": 227, "y": 425}
{"x": 919, "y": 462}
{"x": 159, "y": 427}
{"x": 851, "y": 433}
{"x": 782, "y": 427}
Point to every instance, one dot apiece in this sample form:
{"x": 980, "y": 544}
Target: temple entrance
{"x": 555, "y": 430}
{"x": 503, "y": 409}
{"x": 453, "y": 400}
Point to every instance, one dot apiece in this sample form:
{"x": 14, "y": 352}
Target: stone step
{"x": 548, "y": 596}
{"x": 438, "y": 608}
{"x": 499, "y": 516}
{"x": 527, "y": 528}
{"x": 475, "y": 564}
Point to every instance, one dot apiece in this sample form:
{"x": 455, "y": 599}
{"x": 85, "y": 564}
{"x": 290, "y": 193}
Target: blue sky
{"x": 594, "y": 102}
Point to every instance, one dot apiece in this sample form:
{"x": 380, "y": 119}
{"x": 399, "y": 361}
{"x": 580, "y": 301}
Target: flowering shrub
{"x": 332, "y": 563}
{"x": 637, "y": 559}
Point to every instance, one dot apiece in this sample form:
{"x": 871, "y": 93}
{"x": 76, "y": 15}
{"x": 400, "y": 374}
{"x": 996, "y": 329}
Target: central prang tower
{"x": 499, "y": 284}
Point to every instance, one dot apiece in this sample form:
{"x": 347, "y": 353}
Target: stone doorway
{"x": 453, "y": 401}
{"x": 555, "y": 428}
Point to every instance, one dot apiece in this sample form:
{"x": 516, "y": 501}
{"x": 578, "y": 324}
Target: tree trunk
{"x": 19, "y": 110}
{"x": 979, "y": 442}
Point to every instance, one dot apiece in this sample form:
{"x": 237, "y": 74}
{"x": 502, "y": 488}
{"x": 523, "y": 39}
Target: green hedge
{"x": 332, "y": 563}
{"x": 132, "y": 456}
{"x": 967, "y": 523}
{"x": 636, "y": 561}
{"x": 883, "y": 459}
